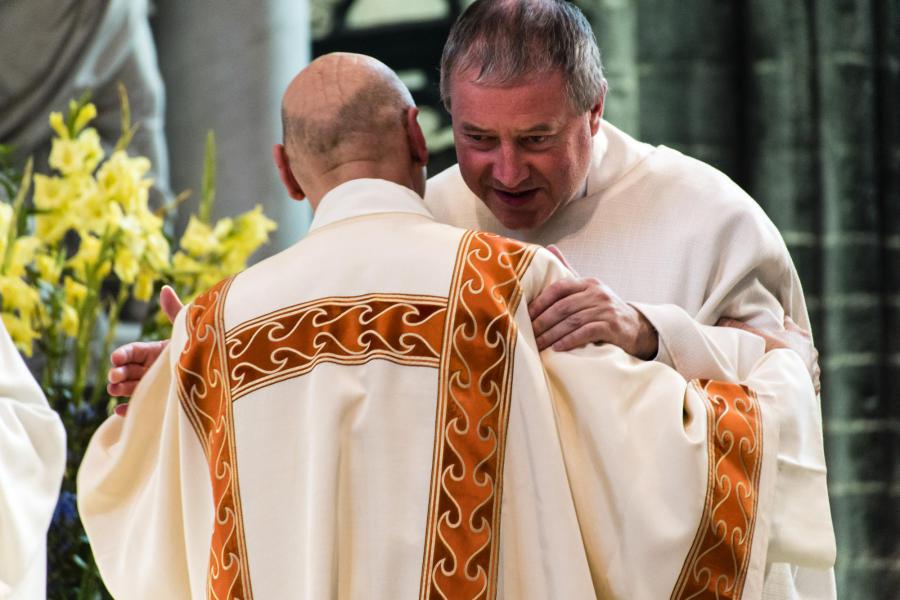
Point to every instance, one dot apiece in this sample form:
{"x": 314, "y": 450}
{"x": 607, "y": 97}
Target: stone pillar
{"x": 225, "y": 66}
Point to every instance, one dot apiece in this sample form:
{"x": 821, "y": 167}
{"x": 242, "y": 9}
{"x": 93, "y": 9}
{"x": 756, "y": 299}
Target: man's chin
{"x": 515, "y": 220}
{"x": 513, "y": 217}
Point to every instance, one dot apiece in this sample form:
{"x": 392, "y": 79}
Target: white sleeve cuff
{"x": 699, "y": 351}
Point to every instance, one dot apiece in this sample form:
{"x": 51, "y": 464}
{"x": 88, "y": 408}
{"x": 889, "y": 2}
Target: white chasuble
{"x": 366, "y": 415}
{"x": 32, "y": 461}
{"x": 686, "y": 246}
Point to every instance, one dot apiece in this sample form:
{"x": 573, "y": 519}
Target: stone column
{"x": 225, "y": 66}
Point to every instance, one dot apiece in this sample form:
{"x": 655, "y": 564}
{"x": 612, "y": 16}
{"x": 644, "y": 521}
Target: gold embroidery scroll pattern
{"x": 462, "y": 540}
{"x": 206, "y": 399}
{"x": 405, "y": 329}
{"x": 716, "y": 566}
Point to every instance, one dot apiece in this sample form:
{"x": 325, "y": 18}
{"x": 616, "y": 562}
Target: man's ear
{"x": 597, "y": 111}
{"x": 284, "y": 172}
{"x": 417, "y": 147}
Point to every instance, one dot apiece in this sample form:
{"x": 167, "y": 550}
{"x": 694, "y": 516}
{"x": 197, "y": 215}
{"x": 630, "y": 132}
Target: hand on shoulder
{"x": 574, "y": 312}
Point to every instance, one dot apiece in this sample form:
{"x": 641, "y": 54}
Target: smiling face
{"x": 521, "y": 148}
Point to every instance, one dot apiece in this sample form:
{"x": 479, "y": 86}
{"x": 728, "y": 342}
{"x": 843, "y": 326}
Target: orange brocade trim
{"x": 716, "y": 566}
{"x": 475, "y": 378}
{"x": 404, "y": 329}
{"x": 205, "y": 396}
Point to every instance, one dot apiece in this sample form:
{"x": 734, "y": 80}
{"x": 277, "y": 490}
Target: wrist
{"x": 648, "y": 339}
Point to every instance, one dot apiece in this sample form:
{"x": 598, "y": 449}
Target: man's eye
{"x": 476, "y": 137}
{"x": 537, "y": 139}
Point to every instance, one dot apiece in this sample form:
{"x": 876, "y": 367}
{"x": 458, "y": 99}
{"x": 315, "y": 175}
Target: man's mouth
{"x": 515, "y": 198}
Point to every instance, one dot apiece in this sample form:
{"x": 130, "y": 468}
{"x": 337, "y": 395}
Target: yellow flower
{"x": 20, "y": 331}
{"x": 64, "y": 156}
{"x": 59, "y": 125}
{"x": 132, "y": 235}
{"x": 223, "y": 228}
{"x": 149, "y": 221}
{"x": 69, "y": 320}
{"x": 185, "y": 268}
{"x": 18, "y": 295}
{"x": 49, "y": 192}
{"x": 252, "y": 230}
{"x": 143, "y": 287}
{"x": 87, "y": 256}
{"x": 91, "y": 149}
{"x": 49, "y": 269}
{"x": 78, "y": 156}
{"x": 198, "y": 238}
{"x": 157, "y": 252}
{"x": 23, "y": 252}
{"x": 80, "y": 188}
{"x": 121, "y": 179}
{"x": 74, "y": 291}
{"x": 85, "y": 115}
{"x": 233, "y": 262}
{"x": 126, "y": 265}
{"x": 51, "y": 227}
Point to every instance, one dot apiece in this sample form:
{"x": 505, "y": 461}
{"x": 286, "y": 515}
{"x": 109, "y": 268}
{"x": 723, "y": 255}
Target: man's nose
{"x": 510, "y": 168}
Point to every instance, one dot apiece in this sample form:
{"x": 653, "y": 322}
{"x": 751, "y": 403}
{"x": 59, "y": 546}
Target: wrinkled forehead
{"x": 520, "y": 105}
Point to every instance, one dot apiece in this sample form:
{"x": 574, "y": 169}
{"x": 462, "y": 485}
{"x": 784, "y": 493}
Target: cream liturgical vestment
{"x": 366, "y": 415}
{"x": 682, "y": 243}
{"x": 32, "y": 460}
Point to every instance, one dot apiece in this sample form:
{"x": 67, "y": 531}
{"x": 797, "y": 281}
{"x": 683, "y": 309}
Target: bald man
{"x": 367, "y": 415}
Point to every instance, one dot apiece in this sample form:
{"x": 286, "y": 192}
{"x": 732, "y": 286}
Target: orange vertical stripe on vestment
{"x": 462, "y": 535}
{"x": 716, "y": 566}
{"x": 205, "y": 396}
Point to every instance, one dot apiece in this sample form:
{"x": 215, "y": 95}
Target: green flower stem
{"x": 87, "y": 320}
{"x": 115, "y": 310}
{"x": 17, "y": 208}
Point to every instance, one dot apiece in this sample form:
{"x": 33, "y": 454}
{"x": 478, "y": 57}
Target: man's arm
{"x": 129, "y": 490}
{"x": 793, "y": 444}
{"x": 659, "y": 466}
{"x": 761, "y": 286}
{"x": 32, "y": 461}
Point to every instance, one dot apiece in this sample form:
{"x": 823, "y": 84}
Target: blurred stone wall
{"x": 225, "y": 66}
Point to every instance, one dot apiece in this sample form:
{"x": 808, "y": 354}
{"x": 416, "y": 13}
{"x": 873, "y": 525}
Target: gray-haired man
{"x": 668, "y": 246}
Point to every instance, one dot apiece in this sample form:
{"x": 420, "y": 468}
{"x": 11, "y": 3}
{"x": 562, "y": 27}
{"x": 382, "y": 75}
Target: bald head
{"x": 348, "y": 116}
{"x": 342, "y": 108}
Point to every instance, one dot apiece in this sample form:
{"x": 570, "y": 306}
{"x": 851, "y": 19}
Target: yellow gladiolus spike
{"x": 49, "y": 192}
{"x": 18, "y": 295}
{"x": 126, "y": 266}
{"x": 143, "y": 287}
{"x": 198, "y": 238}
{"x": 69, "y": 321}
{"x": 74, "y": 291}
{"x": 59, "y": 125}
{"x": 87, "y": 113}
{"x": 20, "y": 331}
{"x": 49, "y": 269}
{"x": 22, "y": 254}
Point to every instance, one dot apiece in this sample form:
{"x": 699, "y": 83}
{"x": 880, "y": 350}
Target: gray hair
{"x": 508, "y": 41}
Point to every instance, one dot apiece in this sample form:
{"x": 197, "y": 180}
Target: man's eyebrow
{"x": 541, "y": 128}
{"x": 473, "y": 128}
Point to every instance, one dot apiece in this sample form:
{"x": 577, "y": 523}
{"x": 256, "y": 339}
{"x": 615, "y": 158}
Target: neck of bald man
{"x": 400, "y": 172}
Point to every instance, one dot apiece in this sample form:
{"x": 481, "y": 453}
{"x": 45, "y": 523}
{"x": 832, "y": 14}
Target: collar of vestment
{"x": 362, "y": 197}
{"x": 614, "y": 153}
